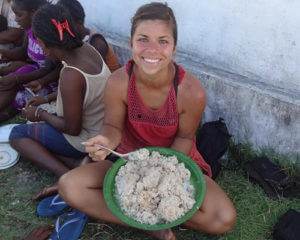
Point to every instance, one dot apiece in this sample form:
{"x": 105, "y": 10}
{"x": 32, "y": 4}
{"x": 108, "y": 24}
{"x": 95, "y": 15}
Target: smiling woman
{"x": 153, "y": 38}
{"x": 150, "y": 102}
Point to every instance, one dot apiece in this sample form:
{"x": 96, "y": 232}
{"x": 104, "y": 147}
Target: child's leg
{"x": 53, "y": 189}
{"x": 8, "y": 113}
{"x": 216, "y": 215}
{"x": 40, "y": 143}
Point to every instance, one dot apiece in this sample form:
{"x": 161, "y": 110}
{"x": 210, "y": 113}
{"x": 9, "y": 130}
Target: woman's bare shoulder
{"x": 117, "y": 83}
{"x": 119, "y": 74}
{"x": 192, "y": 88}
{"x": 119, "y": 77}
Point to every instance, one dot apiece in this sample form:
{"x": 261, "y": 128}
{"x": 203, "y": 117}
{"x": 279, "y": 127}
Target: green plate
{"x": 197, "y": 179}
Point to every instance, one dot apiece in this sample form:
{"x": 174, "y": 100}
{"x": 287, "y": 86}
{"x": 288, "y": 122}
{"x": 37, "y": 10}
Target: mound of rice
{"x": 153, "y": 188}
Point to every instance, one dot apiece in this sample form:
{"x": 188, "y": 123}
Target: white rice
{"x": 153, "y": 188}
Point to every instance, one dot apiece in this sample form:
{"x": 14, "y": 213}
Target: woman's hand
{"x": 35, "y": 101}
{"x": 34, "y": 85}
{"x": 94, "y": 152}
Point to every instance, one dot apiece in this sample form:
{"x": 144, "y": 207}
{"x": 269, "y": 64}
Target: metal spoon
{"x": 30, "y": 91}
{"x": 125, "y": 156}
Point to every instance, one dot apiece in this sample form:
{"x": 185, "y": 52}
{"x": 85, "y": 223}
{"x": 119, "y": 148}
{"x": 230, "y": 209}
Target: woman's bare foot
{"x": 46, "y": 192}
{"x": 165, "y": 234}
{"x": 41, "y": 233}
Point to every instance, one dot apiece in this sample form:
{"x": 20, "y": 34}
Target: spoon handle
{"x": 124, "y": 156}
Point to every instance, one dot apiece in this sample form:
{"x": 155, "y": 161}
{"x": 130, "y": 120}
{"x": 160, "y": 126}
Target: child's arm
{"x": 37, "y": 100}
{"x": 27, "y": 77}
{"x": 17, "y": 53}
{"x": 71, "y": 86}
{"x": 11, "y": 81}
{"x": 100, "y": 45}
{"x": 52, "y": 76}
{"x": 11, "y": 35}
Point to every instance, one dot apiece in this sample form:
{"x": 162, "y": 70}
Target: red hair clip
{"x": 61, "y": 26}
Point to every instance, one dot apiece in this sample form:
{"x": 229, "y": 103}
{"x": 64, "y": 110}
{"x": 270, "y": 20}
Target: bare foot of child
{"x": 46, "y": 192}
{"x": 53, "y": 189}
{"x": 165, "y": 234}
{"x": 40, "y": 233}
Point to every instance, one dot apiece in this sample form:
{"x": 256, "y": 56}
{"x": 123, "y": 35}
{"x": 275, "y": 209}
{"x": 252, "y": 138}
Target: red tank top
{"x": 147, "y": 127}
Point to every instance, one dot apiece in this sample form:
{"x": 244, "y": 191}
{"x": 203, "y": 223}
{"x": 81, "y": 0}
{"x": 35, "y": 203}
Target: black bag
{"x": 212, "y": 142}
{"x": 271, "y": 178}
{"x": 288, "y": 226}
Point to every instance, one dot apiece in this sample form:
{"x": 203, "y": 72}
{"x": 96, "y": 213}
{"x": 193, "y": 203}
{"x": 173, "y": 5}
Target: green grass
{"x": 257, "y": 214}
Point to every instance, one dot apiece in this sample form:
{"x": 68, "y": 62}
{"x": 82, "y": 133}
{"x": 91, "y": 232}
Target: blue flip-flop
{"x": 51, "y": 206}
{"x": 71, "y": 228}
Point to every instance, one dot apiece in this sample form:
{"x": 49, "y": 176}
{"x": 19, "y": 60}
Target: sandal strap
{"x": 58, "y": 228}
{"x": 59, "y": 202}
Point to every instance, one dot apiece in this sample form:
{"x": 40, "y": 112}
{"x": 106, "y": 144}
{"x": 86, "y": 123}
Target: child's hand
{"x": 29, "y": 113}
{"x": 35, "y": 101}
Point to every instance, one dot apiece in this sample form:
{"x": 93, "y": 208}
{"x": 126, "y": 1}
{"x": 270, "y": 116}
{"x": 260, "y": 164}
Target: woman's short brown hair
{"x": 155, "y": 11}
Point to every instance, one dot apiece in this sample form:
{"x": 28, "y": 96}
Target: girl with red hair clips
{"x": 150, "y": 102}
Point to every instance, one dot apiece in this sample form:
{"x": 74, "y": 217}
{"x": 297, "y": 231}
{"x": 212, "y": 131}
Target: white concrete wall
{"x": 246, "y": 53}
{"x": 259, "y": 39}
